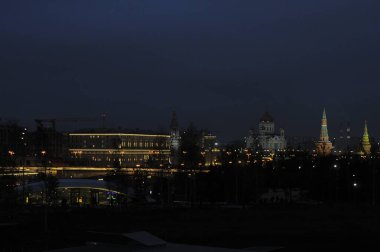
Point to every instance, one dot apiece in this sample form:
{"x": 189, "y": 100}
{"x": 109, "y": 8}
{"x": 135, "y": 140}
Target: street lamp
{"x": 13, "y": 163}
{"x": 43, "y": 153}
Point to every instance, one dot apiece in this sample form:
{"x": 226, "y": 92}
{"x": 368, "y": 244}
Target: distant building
{"x": 48, "y": 143}
{"x": 128, "y": 148}
{"x": 324, "y": 147}
{"x": 343, "y": 144}
{"x": 301, "y": 143}
{"x": 266, "y": 139}
{"x": 175, "y": 140}
{"x": 14, "y": 143}
{"x": 119, "y": 148}
{"x": 365, "y": 140}
{"x": 210, "y": 149}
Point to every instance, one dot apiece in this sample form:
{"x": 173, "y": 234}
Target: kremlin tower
{"x": 365, "y": 140}
{"x": 324, "y": 146}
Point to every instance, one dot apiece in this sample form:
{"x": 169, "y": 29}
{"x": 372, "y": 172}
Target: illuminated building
{"x": 124, "y": 149}
{"x": 75, "y": 192}
{"x": 324, "y": 146}
{"x": 175, "y": 139}
{"x": 365, "y": 141}
{"x": 128, "y": 149}
{"x": 210, "y": 150}
{"x": 266, "y": 139}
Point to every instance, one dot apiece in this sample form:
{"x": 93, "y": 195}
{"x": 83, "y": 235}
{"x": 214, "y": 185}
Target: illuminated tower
{"x": 324, "y": 146}
{"x": 365, "y": 140}
{"x": 174, "y": 140}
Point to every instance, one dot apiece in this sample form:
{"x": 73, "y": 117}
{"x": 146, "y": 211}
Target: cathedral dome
{"x": 266, "y": 118}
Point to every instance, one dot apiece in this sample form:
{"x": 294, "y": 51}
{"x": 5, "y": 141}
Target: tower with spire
{"x": 324, "y": 146}
{"x": 175, "y": 139}
{"x": 365, "y": 140}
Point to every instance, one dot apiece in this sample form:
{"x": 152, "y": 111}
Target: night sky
{"x": 218, "y": 63}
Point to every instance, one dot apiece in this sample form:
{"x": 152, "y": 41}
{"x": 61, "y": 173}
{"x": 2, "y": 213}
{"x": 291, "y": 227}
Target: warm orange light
{"x": 117, "y": 134}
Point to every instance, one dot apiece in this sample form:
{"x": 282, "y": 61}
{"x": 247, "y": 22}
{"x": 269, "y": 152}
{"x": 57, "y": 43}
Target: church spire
{"x": 324, "y": 146}
{"x": 365, "y": 140}
{"x": 324, "y": 136}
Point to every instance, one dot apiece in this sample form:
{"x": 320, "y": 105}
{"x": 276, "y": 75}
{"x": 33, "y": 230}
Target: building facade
{"x": 127, "y": 149}
{"x": 267, "y": 139}
{"x": 116, "y": 149}
{"x": 210, "y": 150}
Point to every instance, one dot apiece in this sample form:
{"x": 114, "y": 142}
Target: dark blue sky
{"x": 218, "y": 63}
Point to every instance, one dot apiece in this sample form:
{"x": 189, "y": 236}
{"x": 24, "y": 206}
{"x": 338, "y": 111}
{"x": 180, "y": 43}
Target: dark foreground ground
{"x": 297, "y": 228}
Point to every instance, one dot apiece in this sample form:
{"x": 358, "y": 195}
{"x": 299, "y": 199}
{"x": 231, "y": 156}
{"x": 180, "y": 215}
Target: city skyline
{"x": 73, "y": 124}
{"x": 201, "y": 125}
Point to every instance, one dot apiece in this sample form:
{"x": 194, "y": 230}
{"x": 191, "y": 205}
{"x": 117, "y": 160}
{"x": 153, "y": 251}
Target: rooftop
{"x": 266, "y": 117}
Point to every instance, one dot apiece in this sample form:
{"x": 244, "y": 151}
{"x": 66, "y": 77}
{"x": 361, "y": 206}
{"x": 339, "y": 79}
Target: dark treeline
{"x": 327, "y": 180}
{"x": 244, "y": 177}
